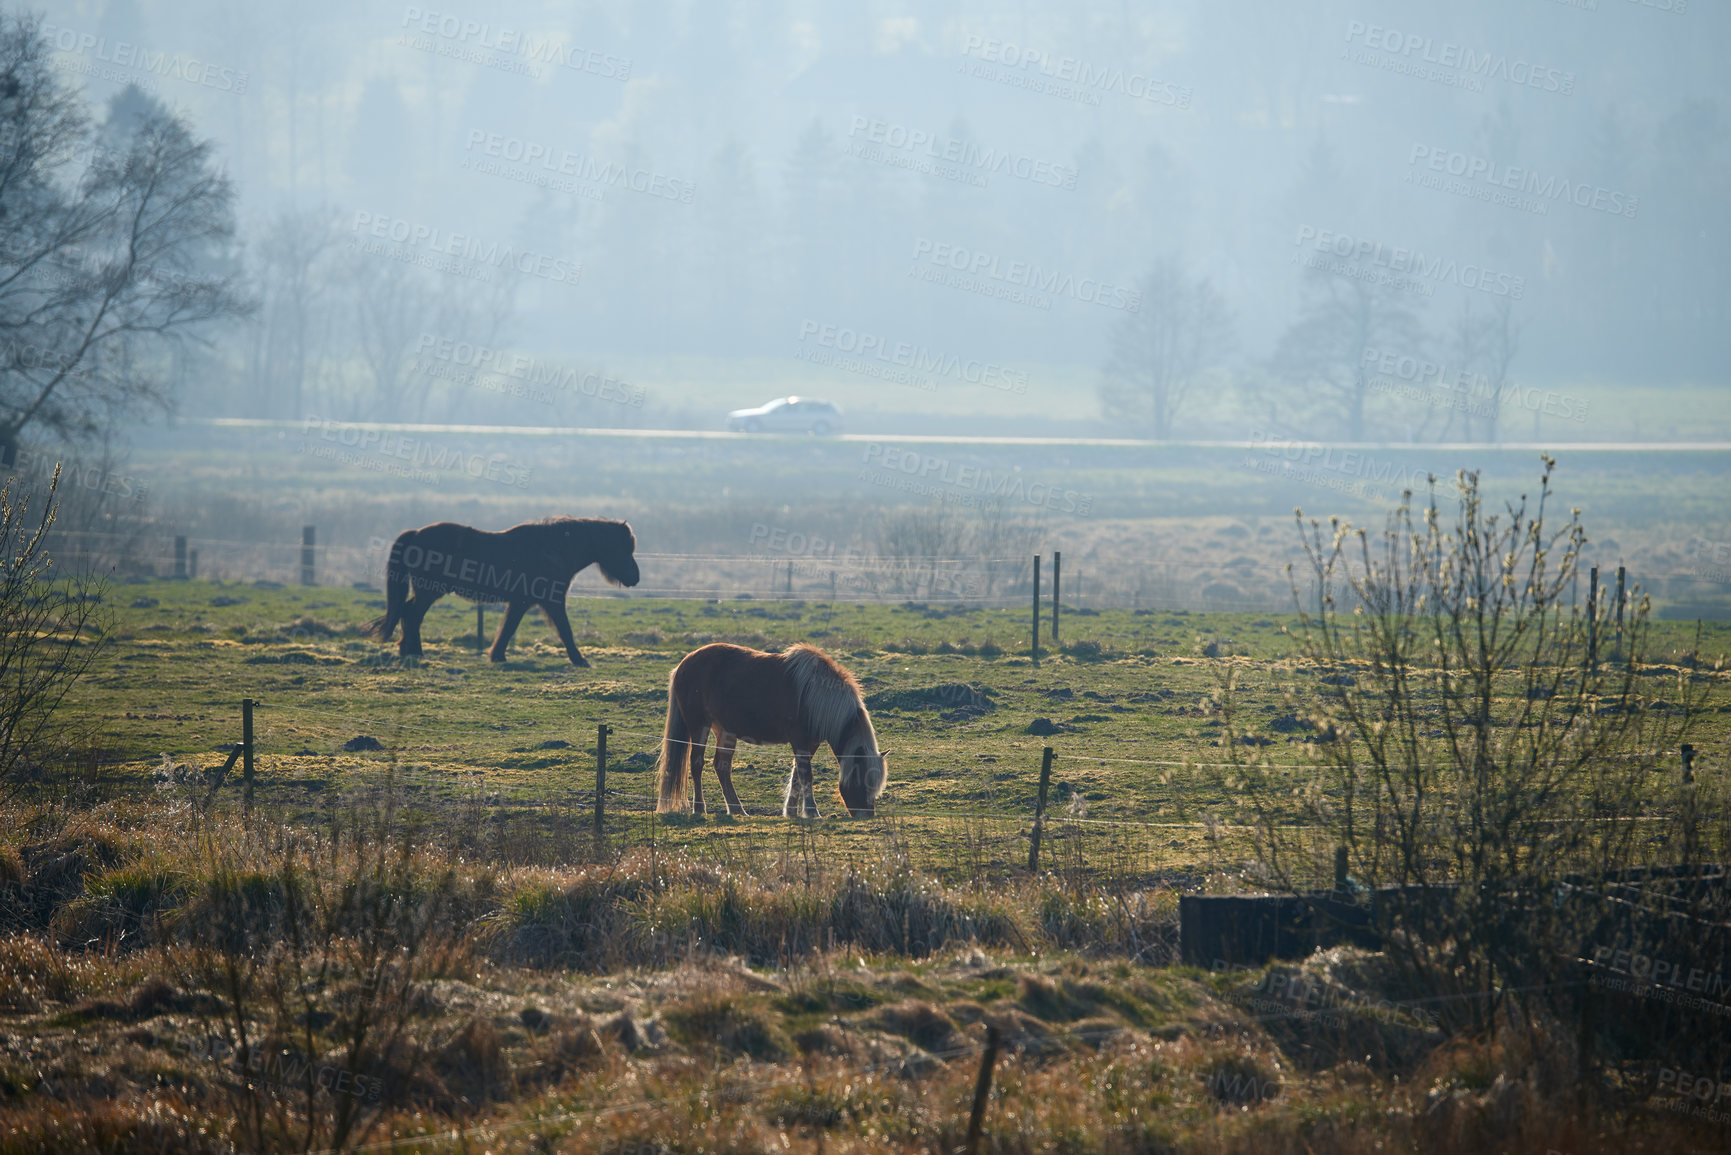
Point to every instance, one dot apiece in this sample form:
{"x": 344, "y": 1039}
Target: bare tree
{"x": 1159, "y": 350}
{"x": 1322, "y": 354}
{"x": 1501, "y": 341}
{"x": 106, "y": 250}
{"x": 393, "y": 305}
{"x": 292, "y": 267}
{"x": 1480, "y": 349}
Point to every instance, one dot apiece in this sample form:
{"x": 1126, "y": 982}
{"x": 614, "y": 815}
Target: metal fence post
{"x": 1593, "y": 620}
{"x": 1036, "y": 650}
{"x": 601, "y": 732}
{"x": 982, "y": 1089}
{"x": 1040, "y": 809}
{"x": 246, "y": 749}
{"x": 1057, "y": 581}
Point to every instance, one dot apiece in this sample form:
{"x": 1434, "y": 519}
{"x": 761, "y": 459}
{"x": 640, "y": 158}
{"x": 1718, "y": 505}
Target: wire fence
{"x": 539, "y": 793}
{"x": 1239, "y": 584}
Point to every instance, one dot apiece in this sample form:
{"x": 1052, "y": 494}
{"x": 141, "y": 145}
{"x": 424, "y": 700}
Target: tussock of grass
{"x": 640, "y": 912}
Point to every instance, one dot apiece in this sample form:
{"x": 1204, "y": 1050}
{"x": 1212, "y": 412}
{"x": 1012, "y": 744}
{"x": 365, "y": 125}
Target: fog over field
{"x": 1492, "y": 223}
{"x": 780, "y": 576}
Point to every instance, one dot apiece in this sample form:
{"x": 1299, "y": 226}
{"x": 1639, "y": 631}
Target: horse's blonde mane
{"x": 829, "y": 697}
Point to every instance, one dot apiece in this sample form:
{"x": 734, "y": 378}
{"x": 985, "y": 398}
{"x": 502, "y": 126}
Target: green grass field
{"x": 1132, "y": 700}
{"x": 708, "y": 983}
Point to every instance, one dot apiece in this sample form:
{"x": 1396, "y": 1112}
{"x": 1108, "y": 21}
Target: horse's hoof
{"x": 580, "y": 662}
{"x": 499, "y": 658}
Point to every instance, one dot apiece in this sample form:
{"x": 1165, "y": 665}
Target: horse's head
{"x": 864, "y": 772}
{"x": 613, "y": 547}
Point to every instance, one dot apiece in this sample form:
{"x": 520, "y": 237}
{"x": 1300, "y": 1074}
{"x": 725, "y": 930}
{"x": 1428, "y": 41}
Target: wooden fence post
{"x": 179, "y": 557}
{"x": 480, "y": 626}
{"x": 246, "y": 749}
{"x": 1057, "y": 581}
{"x": 307, "y": 536}
{"x": 1339, "y": 869}
{"x": 1593, "y": 620}
{"x": 1036, "y": 650}
{"x": 1621, "y": 572}
{"x": 1040, "y": 809}
{"x": 192, "y": 564}
{"x": 601, "y": 732}
{"x": 982, "y": 1089}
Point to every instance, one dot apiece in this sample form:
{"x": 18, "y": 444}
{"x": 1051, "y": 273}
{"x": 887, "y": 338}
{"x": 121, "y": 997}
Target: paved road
{"x": 959, "y": 439}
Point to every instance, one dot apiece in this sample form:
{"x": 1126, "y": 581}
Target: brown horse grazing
{"x": 801, "y": 697}
{"x": 528, "y": 564}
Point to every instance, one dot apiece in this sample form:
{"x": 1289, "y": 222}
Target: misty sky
{"x": 988, "y": 180}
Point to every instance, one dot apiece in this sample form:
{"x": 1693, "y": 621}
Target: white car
{"x": 787, "y": 415}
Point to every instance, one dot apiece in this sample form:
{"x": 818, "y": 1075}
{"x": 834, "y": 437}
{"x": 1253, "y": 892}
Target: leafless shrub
{"x": 53, "y": 630}
{"x": 323, "y": 958}
{"x": 1489, "y": 767}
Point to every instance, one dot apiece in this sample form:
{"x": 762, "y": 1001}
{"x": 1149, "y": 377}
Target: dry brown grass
{"x": 657, "y": 1002}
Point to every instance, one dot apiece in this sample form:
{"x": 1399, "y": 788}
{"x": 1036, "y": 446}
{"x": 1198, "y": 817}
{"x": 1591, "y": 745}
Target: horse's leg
{"x": 800, "y": 795}
{"x": 513, "y": 615}
{"x": 413, "y": 611}
{"x": 699, "y": 738}
{"x": 556, "y": 614}
{"x": 724, "y": 746}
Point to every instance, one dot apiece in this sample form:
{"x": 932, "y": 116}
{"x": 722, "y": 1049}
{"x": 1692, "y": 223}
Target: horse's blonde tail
{"x": 675, "y": 753}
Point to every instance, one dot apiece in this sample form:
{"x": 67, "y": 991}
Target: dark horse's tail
{"x": 675, "y": 752}
{"x": 396, "y": 589}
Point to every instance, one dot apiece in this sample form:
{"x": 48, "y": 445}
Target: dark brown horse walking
{"x": 801, "y": 697}
{"x": 528, "y": 564}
